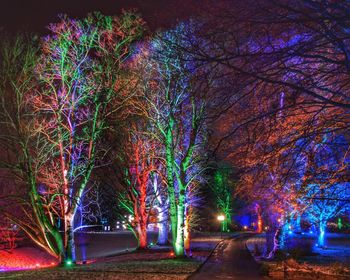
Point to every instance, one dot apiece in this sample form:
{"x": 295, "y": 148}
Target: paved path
{"x": 230, "y": 260}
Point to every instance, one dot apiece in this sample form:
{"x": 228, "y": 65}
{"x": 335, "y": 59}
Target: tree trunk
{"x": 282, "y": 237}
{"x": 224, "y": 225}
{"x": 163, "y": 227}
{"x": 187, "y": 235}
{"x": 187, "y": 241}
{"x": 298, "y": 223}
{"x": 69, "y": 240}
{"x": 322, "y": 233}
{"x": 142, "y": 235}
{"x": 259, "y": 228}
{"x": 179, "y": 244}
{"x": 170, "y": 179}
{"x": 276, "y": 242}
{"x": 270, "y": 237}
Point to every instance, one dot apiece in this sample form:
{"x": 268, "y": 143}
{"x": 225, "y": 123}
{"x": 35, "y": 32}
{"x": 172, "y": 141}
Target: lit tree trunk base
{"x": 163, "y": 231}
{"x": 180, "y": 236}
{"x": 224, "y": 226}
{"x": 276, "y": 249}
{"x": 298, "y": 224}
{"x": 282, "y": 237}
{"x": 259, "y": 228}
{"x": 69, "y": 254}
{"x": 142, "y": 237}
{"x": 321, "y": 234}
{"x": 187, "y": 244}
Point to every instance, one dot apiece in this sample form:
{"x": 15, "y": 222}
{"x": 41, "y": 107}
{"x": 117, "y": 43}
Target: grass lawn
{"x": 155, "y": 263}
{"x": 331, "y": 262}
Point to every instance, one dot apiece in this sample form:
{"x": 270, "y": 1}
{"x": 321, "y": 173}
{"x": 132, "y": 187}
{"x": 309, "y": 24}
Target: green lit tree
{"x": 65, "y": 113}
{"x": 20, "y": 141}
{"x": 176, "y": 99}
{"x": 222, "y": 187}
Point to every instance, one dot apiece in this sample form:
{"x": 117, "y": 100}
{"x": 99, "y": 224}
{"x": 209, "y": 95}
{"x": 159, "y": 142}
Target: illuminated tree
{"x": 73, "y": 100}
{"x": 135, "y": 163}
{"x": 176, "y": 99}
{"x": 22, "y": 144}
{"x": 222, "y": 188}
{"x": 325, "y": 181}
{"x": 57, "y": 121}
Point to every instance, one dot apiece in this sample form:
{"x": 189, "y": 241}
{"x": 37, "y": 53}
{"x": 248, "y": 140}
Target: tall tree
{"x": 177, "y": 101}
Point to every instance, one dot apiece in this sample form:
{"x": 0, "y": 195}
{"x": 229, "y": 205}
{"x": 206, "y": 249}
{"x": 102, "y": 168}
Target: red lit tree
{"x": 134, "y": 164}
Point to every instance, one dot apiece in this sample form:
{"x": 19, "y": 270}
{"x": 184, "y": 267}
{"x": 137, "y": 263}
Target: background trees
{"x": 287, "y": 88}
{"x": 222, "y": 188}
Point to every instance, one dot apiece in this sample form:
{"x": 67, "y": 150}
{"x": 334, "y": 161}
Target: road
{"x": 230, "y": 260}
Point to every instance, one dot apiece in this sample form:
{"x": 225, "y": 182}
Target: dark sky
{"x": 35, "y": 15}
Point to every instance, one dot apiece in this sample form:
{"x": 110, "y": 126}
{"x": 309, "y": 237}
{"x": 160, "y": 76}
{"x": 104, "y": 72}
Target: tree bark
{"x": 163, "y": 227}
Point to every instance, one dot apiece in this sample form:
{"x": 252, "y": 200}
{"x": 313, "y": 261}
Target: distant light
{"x": 311, "y": 232}
{"x": 221, "y": 218}
{"x": 266, "y": 228}
{"x": 151, "y": 244}
{"x": 245, "y": 227}
{"x": 279, "y": 220}
{"x": 290, "y": 232}
{"x": 37, "y": 265}
{"x": 69, "y": 262}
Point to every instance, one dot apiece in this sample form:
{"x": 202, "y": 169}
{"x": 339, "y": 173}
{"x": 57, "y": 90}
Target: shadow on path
{"x": 230, "y": 260}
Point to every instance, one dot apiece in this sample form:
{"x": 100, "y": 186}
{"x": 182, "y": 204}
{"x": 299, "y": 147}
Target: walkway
{"x": 230, "y": 260}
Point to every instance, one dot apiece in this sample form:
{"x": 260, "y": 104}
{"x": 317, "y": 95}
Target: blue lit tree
{"x": 326, "y": 202}
{"x": 325, "y": 184}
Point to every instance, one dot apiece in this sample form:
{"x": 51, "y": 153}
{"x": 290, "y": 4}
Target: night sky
{"x": 35, "y": 15}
